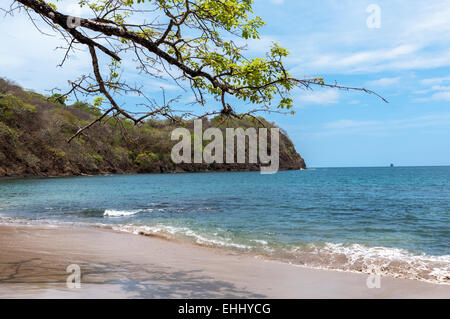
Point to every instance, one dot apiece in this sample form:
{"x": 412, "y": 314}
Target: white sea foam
{"x": 185, "y": 232}
{"x": 119, "y": 213}
{"x": 41, "y": 222}
{"x": 260, "y": 241}
{"x": 394, "y": 262}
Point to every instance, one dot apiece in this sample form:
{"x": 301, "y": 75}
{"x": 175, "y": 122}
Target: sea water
{"x": 392, "y": 220}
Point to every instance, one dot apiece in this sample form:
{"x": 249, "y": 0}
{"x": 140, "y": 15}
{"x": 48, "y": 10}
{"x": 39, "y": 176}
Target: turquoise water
{"x": 339, "y": 218}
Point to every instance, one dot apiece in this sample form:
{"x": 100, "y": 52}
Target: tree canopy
{"x": 195, "y": 43}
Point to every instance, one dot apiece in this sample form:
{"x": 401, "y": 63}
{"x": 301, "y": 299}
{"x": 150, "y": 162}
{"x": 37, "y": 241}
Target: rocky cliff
{"x": 34, "y": 133}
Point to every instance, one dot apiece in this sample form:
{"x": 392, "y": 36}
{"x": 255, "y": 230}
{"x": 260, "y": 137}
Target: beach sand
{"x": 33, "y": 262}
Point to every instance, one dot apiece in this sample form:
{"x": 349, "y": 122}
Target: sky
{"x": 398, "y": 48}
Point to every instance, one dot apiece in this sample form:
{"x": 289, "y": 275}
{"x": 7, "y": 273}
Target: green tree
{"x": 58, "y": 99}
{"x": 194, "y": 42}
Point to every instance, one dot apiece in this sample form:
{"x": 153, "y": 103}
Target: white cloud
{"x": 440, "y": 91}
{"x": 333, "y": 39}
{"x": 375, "y": 56}
{"x": 433, "y": 18}
{"x": 432, "y": 89}
{"x": 432, "y": 81}
{"x": 438, "y": 96}
{"x": 323, "y": 97}
{"x": 384, "y": 82}
{"x": 155, "y": 85}
{"x": 30, "y": 58}
{"x": 348, "y": 126}
{"x": 412, "y": 37}
{"x": 398, "y": 58}
{"x": 344, "y": 124}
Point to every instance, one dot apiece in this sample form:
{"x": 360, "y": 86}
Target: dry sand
{"x": 33, "y": 262}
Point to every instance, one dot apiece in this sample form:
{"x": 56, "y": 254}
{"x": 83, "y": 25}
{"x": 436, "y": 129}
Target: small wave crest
{"x": 392, "y": 262}
{"x": 386, "y": 261}
{"x": 119, "y": 213}
{"x": 181, "y": 232}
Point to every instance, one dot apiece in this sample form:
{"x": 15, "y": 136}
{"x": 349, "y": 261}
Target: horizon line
{"x": 385, "y": 166}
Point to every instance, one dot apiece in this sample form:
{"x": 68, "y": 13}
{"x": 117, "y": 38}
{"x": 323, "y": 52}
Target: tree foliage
{"x": 34, "y": 132}
{"x": 198, "y": 44}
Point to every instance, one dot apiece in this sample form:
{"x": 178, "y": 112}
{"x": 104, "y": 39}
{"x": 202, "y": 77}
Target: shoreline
{"x": 120, "y": 265}
{"x": 37, "y": 176}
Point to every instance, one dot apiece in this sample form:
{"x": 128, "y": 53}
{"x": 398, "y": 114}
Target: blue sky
{"x": 407, "y": 60}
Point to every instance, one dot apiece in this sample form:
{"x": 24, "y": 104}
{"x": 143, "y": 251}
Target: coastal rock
{"x": 34, "y": 134}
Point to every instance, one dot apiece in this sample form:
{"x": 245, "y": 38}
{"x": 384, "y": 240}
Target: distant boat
{"x": 392, "y": 165}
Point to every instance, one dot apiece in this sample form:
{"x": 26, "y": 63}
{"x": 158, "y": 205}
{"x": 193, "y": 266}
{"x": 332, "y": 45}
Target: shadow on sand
{"x": 136, "y": 281}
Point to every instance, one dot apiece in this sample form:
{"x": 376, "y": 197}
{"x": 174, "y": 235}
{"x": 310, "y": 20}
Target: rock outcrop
{"x": 34, "y": 134}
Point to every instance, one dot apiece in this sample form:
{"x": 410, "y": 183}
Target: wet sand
{"x": 33, "y": 262}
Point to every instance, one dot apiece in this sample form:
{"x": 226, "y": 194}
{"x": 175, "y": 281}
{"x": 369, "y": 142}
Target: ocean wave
{"x": 259, "y": 241}
{"x": 119, "y": 213}
{"x": 180, "y": 232}
{"x": 385, "y": 261}
{"x": 20, "y": 221}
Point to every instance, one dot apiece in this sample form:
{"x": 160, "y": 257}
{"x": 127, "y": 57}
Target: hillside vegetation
{"x": 34, "y": 131}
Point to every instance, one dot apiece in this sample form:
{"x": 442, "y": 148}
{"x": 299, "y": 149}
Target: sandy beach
{"x": 34, "y": 259}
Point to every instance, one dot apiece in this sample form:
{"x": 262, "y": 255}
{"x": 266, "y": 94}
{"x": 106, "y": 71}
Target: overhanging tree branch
{"x": 207, "y": 59}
